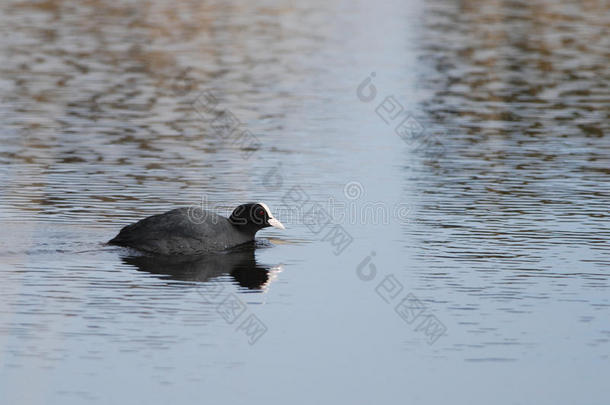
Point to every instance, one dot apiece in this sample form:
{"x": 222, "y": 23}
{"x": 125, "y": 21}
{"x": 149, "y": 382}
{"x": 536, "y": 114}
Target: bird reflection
{"x": 238, "y": 263}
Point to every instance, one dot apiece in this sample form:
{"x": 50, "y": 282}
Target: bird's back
{"x": 189, "y": 230}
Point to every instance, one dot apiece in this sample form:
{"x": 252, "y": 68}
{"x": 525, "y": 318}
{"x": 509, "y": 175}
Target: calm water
{"x": 442, "y": 169}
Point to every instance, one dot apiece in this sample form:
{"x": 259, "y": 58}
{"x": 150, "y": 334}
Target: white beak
{"x": 275, "y": 223}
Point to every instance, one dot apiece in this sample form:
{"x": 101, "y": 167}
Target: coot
{"x": 192, "y": 230}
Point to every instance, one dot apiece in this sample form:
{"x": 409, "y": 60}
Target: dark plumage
{"x": 192, "y": 230}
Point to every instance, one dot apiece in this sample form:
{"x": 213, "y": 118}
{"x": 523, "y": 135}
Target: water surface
{"x": 451, "y": 154}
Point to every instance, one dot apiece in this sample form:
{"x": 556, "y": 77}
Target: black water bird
{"x": 193, "y": 230}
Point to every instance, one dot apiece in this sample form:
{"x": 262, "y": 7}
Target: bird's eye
{"x": 261, "y": 213}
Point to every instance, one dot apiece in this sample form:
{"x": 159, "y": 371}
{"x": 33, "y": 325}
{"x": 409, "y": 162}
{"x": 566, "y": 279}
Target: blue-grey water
{"x": 442, "y": 169}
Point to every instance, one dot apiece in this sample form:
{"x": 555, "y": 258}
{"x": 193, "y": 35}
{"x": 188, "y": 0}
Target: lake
{"x": 442, "y": 169}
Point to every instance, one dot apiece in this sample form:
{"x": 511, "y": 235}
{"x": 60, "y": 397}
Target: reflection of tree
{"x": 94, "y": 85}
{"x": 519, "y": 89}
{"x": 517, "y": 66}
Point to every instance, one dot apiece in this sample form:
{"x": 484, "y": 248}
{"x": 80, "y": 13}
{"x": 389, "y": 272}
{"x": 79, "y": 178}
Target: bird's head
{"x": 255, "y": 216}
